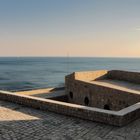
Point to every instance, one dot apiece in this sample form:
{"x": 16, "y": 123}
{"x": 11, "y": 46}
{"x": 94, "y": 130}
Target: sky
{"x": 82, "y": 28}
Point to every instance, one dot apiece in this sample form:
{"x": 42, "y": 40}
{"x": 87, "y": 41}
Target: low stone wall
{"x": 99, "y": 96}
{"x": 133, "y": 77}
{"x": 89, "y": 75}
{"x": 93, "y": 114}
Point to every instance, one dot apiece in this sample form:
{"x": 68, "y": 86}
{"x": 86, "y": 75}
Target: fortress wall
{"x": 90, "y": 75}
{"x": 83, "y": 112}
{"x": 124, "y": 75}
{"x": 93, "y": 114}
{"x": 81, "y": 91}
{"x": 84, "y": 93}
{"x": 113, "y": 74}
{"x": 85, "y": 76}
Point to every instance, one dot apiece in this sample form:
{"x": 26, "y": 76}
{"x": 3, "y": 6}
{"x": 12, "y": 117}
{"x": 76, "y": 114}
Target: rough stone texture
{"x": 83, "y": 86}
{"x": 22, "y": 123}
{"x": 133, "y": 77}
{"x": 118, "y": 118}
{"x": 90, "y": 75}
{"x": 47, "y": 93}
{"x": 94, "y": 114}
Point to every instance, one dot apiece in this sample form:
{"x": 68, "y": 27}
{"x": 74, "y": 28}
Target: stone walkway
{"x": 22, "y": 123}
{"x": 44, "y": 93}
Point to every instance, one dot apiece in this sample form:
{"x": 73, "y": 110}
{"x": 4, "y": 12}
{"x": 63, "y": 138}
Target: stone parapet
{"x": 117, "y": 118}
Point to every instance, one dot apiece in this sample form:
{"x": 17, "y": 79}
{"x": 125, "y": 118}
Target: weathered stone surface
{"x": 113, "y": 90}
{"x": 22, "y": 123}
{"x": 118, "y": 118}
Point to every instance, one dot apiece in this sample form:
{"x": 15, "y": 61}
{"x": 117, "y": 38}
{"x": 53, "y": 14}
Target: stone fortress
{"x": 111, "y": 97}
{"x": 111, "y": 90}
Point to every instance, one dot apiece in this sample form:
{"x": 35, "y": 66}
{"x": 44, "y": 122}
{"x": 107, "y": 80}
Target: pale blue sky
{"x": 80, "y": 27}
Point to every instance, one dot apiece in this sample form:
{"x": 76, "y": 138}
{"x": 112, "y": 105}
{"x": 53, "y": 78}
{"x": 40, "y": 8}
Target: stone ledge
{"x": 118, "y": 118}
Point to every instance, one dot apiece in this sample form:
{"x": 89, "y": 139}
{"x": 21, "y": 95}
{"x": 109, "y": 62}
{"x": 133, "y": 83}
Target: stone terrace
{"x": 18, "y": 122}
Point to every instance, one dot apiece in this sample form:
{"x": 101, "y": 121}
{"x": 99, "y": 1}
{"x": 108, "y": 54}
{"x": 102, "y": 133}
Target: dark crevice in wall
{"x": 107, "y": 107}
{"x": 71, "y": 94}
{"x": 86, "y": 101}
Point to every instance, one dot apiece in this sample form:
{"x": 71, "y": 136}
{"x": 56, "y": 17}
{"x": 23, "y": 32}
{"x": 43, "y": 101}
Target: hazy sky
{"x": 78, "y": 27}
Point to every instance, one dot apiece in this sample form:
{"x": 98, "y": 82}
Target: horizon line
{"x": 75, "y": 56}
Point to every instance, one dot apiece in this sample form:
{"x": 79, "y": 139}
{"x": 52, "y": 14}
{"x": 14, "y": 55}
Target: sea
{"x": 26, "y": 73}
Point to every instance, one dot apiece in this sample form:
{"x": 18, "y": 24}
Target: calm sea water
{"x": 23, "y": 73}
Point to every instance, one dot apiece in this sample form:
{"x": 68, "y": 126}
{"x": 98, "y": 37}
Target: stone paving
{"x": 22, "y": 123}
